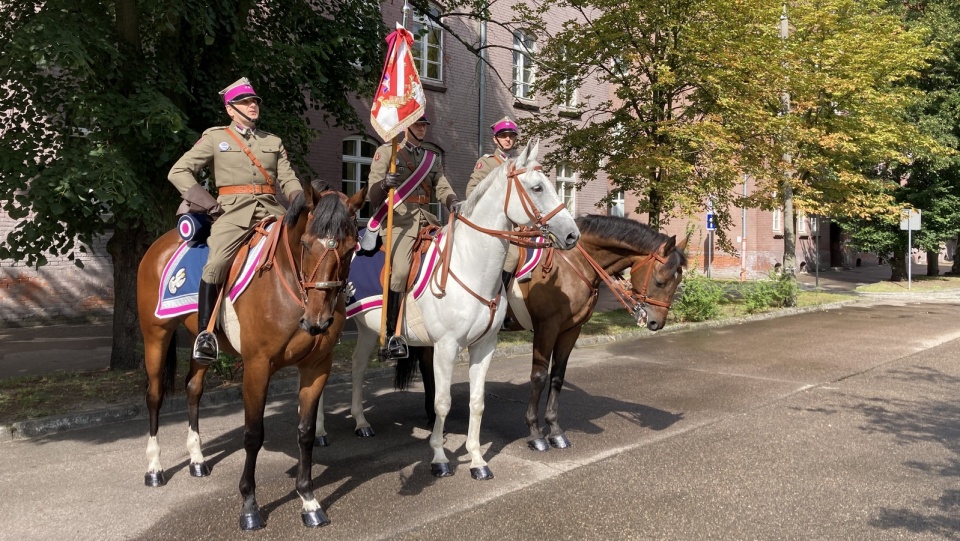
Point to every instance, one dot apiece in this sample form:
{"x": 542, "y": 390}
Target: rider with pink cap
{"x": 505, "y": 134}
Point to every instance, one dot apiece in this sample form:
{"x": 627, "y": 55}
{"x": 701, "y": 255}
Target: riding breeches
{"x": 225, "y": 240}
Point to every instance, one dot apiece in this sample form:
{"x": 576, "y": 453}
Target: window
{"x": 566, "y": 185}
{"x": 568, "y": 90}
{"x": 777, "y": 219}
{"x": 618, "y": 205}
{"x": 801, "y": 224}
{"x": 523, "y": 71}
{"x": 428, "y": 46}
{"x": 357, "y": 157}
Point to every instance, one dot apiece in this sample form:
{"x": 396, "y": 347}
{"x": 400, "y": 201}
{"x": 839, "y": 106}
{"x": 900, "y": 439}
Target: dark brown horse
{"x": 292, "y": 313}
{"x": 560, "y": 301}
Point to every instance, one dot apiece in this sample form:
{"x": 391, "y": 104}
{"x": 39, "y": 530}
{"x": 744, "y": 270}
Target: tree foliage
{"x": 101, "y": 97}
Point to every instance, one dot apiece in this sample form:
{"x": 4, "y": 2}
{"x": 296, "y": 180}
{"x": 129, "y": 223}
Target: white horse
{"x": 469, "y": 312}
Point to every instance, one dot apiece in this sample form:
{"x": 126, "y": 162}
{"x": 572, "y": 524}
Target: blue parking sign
{"x": 711, "y": 225}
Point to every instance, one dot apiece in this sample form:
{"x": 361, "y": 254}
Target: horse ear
{"x": 670, "y": 245}
{"x": 522, "y": 157}
{"x": 308, "y": 194}
{"x": 535, "y": 150}
{"x": 355, "y": 202}
{"x": 682, "y": 245}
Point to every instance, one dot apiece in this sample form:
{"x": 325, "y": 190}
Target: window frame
{"x": 364, "y": 213}
{"x": 422, "y": 47}
{"x": 524, "y": 46}
{"x": 566, "y": 186}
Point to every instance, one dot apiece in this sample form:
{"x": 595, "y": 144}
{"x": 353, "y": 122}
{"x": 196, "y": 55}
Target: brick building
{"x": 464, "y": 97}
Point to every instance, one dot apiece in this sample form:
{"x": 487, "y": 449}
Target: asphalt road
{"x": 840, "y": 424}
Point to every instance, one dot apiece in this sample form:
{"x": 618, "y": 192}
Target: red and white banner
{"x": 399, "y": 101}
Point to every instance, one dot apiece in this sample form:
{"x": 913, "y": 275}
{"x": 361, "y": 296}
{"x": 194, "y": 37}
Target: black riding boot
{"x": 205, "y": 349}
{"x": 396, "y": 347}
{"x": 508, "y": 321}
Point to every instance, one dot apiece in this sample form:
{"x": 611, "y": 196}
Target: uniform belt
{"x": 417, "y": 200}
{"x": 252, "y": 189}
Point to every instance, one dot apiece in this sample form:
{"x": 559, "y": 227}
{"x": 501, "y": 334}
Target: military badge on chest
{"x": 224, "y": 146}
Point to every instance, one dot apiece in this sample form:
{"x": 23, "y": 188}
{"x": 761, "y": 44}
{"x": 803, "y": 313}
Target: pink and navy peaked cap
{"x": 239, "y": 90}
{"x": 504, "y": 124}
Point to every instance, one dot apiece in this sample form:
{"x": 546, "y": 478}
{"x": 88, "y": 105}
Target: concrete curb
{"x": 36, "y": 428}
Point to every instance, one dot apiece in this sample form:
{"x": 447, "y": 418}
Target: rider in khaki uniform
{"x": 246, "y": 195}
{"x": 505, "y": 133}
{"x": 410, "y": 216}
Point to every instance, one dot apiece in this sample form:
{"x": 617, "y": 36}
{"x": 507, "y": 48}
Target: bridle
{"x": 633, "y": 300}
{"x": 524, "y": 237}
{"x": 307, "y": 282}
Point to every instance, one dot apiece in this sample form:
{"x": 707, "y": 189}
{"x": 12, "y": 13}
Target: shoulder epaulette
{"x": 213, "y": 129}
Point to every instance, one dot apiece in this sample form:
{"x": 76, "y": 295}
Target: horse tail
{"x": 170, "y": 367}
{"x": 407, "y": 369}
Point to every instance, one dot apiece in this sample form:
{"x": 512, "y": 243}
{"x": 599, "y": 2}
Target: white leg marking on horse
{"x": 310, "y": 504}
{"x": 193, "y": 446}
{"x": 153, "y": 454}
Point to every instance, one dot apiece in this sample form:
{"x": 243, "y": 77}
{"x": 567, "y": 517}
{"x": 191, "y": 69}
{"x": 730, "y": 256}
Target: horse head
{"x": 654, "y": 280}
{"x": 327, "y": 226}
{"x": 536, "y": 201}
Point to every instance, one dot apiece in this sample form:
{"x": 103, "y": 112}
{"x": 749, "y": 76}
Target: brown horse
{"x": 292, "y": 313}
{"x": 561, "y": 300}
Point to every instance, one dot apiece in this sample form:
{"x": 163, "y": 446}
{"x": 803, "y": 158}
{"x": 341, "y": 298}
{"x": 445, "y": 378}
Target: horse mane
{"x": 331, "y": 218}
{"x": 626, "y": 231}
{"x": 481, "y": 189}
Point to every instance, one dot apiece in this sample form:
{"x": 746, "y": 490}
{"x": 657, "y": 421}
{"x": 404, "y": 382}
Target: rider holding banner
{"x": 419, "y": 175}
{"x": 248, "y": 166}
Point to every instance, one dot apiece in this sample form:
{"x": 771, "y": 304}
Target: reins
{"x": 307, "y": 282}
{"x": 638, "y": 298}
{"x": 523, "y": 237}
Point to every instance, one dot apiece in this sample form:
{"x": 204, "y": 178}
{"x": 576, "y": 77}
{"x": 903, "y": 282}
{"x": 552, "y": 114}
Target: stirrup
{"x": 205, "y": 348}
{"x": 396, "y": 348}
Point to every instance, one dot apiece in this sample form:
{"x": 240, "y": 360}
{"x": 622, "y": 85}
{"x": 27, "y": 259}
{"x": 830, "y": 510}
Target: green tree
{"x": 846, "y": 132}
{"x": 692, "y": 93}
{"x": 106, "y": 95}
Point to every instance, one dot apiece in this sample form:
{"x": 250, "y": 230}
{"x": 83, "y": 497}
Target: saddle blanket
{"x": 366, "y": 291}
{"x": 180, "y": 281}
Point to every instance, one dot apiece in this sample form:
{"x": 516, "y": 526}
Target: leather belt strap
{"x": 418, "y": 200}
{"x": 251, "y": 156}
{"x": 252, "y": 189}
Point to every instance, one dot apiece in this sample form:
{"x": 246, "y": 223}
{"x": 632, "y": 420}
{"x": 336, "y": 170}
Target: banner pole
{"x": 388, "y": 247}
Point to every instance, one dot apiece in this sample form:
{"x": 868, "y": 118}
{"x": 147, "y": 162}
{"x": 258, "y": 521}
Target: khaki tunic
{"x": 486, "y": 164}
{"x": 408, "y": 218}
{"x": 230, "y": 166}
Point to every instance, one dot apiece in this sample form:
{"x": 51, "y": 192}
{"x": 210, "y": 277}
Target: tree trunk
{"x": 789, "y": 229}
{"x": 126, "y": 249}
{"x": 898, "y": 264}
{"x": 933, "y": 263}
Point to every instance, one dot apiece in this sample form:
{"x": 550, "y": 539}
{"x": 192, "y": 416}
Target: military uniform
{"x": 230, "y": 166}
{"x": 486, "y": 164}
{"x": 412, "y": 214}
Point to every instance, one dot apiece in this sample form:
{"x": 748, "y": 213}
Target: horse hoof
{"x": 199, "y": 469}
{"x": 482, "y": 473}
{"x": 251, "y": 521}
{"x": 441, "y": 470}
{"x": 154, "y": 479}
{"x": 365, "y": 432}
{"x": 559, "y": 442}
{"x": 322, "y": 441}
{"x": 538, "y": 444}
{"x": 314, "y": 519}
